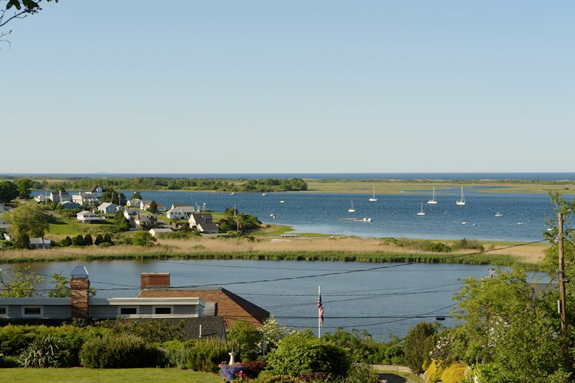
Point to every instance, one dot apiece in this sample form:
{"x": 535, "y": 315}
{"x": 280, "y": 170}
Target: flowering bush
{"x": 253, "y": 368}
{"x": 231, "y": 371}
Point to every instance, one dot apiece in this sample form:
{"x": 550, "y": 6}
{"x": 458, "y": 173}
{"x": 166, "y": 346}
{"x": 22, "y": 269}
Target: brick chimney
{"x": 80, "y": 289}
{"x": 151, "y": 280}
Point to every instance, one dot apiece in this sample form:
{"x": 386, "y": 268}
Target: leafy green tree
{"x": 27, "y": 219}
{"x": 120, "y": 222}
{"x": 19, "y": 283}
{"x": 505, "y": 324}
{"x": 24, "y": 186}
{"x": 153, "y": 207}
{"x": 66, "y": 242}
{"x": 302, "y": 352}
{"x": 78, "y": 240}
{"x": 247, "y": 339}
{"x": 136, "y": 195}
{"x": 273, "y": 333}
{"x": 142, "y": 238}
{"x": 99, "y": 239}
{"x": 88, "y": 241}
{"x": 418, "y": 343}
{"x": 8, "y": 191}
{"x": 61, "y": 287}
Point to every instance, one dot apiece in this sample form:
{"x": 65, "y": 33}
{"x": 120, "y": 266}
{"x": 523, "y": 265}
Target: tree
{"x": 418, "y": 343}
{"x": 61, "y": 287}
{"x": 247, "y": 339}
{"x": 21, "y": 8}
{"x": 153, "y": 207}
{"x": 18, "y": 283}
{"x": 143, "y": 238}
{"x": 8, "y": 191}
{"x": 28, "y": 219}
{"x": 136, "y": 195}
{"x": 508, "y": 327}
{"x": 88, "y": 241}
{"x": 24, "y": 186}
{"x": 120, "y": 222}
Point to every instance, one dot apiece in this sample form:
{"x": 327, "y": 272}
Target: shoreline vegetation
{"x": 242, "y": 185}
{"x": 302, "y": 248}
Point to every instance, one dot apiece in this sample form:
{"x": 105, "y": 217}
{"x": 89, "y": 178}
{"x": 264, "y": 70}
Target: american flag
{"x": 320, "y": 309}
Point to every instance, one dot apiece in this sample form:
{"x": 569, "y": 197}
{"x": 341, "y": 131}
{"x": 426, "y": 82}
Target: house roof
{"x": 231, "y": 306}
{"x": 208, "y": 226}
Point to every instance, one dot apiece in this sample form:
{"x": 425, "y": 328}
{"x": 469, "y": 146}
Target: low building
{"x": 69, "y": 205}
{"x": 203, "y": 223}
{"x": 108, "y": 208}
{"x": 60, "y": 196}
{"x": 40, "y": 243}
{"x": 180, "y": 212}
{"x": 88, "y": 199}
{"x": 146, "y": 221}
{"x": 160, "y": 230}
{"x": 135, "y": 203}
{"x": 89, "y": 217}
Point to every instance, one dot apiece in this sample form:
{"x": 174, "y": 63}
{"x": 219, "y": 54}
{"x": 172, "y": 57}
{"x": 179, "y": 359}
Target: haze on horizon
{"x": 328, "y": 86}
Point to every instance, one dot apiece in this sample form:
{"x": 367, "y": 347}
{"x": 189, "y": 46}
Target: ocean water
{"x": 522, "y": 215}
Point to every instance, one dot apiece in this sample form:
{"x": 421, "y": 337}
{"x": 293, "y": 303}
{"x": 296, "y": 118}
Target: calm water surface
{"x": 383, "y": 299}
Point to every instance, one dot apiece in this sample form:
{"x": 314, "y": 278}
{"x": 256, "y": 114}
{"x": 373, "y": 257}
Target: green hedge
{"x": 118, "y": 351}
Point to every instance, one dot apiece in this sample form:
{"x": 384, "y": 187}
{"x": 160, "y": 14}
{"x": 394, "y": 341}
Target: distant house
{"x": 108, "y": 208}
{"x": 160, "y": 230}
{"x": 89, "y": 217}
{"x": 42, "y": 198}
{"x": 97, "y": 191}
{"x": 135, "y": 203}
{"x": 180, "y": 212}
{"x": 70, "y": 205}
{"x": 131, "y": 214}
{"x": 61, "y": 196}
{"x": 85, "y": 199}
{"x": 146, "y": 206}
{"x": 203, "y": 223}
{"x": 40, "y": 243}
{"x": 146, "y": 221}
{"x": 3, "y": 224}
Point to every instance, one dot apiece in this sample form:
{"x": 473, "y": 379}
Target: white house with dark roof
{"x": 85, "y": 199}
{"x": 60, "y": 196}
{"x": 89, "y": 217}
{"x": 203, "y": 223}
{"x": 108, "y": 208}
{"x": 180, "y": 212}
{"x": 146, "y": 221}
{"x": 135, "y": 203}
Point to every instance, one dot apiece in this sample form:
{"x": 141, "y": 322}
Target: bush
{"x": 418, "y": 343}
{"x": 246, "y": 340}
{"x": 469, "y": 244}
{"x": 9, "y": 362}
{"x": 438, "y": 247}
{"x": 454, "y": 373}
{"x": 434, "y": 371}
{"x": 206, "y": 354}
{"x": 151, "y": 331}
{"x": 173, "y": 353}
{"x": 99, "y": 240}
{"x": 118, "y": 351}
{"x": 303, "y": 352}
{"x": 50, "y": 351}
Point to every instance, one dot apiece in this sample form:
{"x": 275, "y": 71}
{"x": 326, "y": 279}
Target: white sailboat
{"x": 461, "y": 200}
{"x": 351, "y": 209}
{"x": 421, "y": 212}
{"x": 432, "y": 201}
{"x": 373, "y": 199}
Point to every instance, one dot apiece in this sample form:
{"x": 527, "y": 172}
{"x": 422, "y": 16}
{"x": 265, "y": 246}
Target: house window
{"x": 3, "y": 311}
{"x": 162, "y": 310}
{"x": 32, "y": 311}
{"x": 128, "y": 310}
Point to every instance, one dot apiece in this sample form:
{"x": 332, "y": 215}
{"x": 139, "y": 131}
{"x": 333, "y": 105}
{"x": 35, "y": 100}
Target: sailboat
{"x": 461, "y": 200}
{"x": 373, "y": 199}
{"x": 351, "y": 209}
{"x": 421, "y": 212}
{"x": 432, "y": 201}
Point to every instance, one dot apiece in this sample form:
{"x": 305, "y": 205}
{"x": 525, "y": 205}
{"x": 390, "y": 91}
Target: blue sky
{"x": 289, "y": 87}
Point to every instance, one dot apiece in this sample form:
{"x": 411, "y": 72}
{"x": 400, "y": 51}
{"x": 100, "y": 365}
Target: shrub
{"x": 117, "y": 351}
{"x": 361, "y": 373}
{"x": 99, "y": 240}
{"x": 9, "y": 362}
{"x": 455, "y": 373}
{"x": 151, "y": 331}
{"x": 434, "y": 371}
{"x": 206, "y": 354}
{"x": 246, "y": 340}
{"x": 438, "y": 247}
{"x": 253, "y": 368}
{"x": 88, "y": 240}
{"x": 302, "y": 352}
{"x": 49, "y": 351}
{"x": 418, "y": 343}
{"x": 469, "y": 244}
{"x": 173, "y": 353}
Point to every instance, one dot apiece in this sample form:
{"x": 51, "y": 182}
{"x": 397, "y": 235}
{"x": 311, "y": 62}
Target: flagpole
{"x": 318, "y": 313}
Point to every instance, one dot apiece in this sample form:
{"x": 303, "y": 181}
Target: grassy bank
{"x": 348, "y": 249}
{"x": 85, "y": 375}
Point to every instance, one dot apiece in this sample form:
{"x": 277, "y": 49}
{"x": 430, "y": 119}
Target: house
{"x": 89, "y": 217}
{"x": 203, "y": 223}
{"x": 145, "y": 205}
{"x": 40, "y": 243}
{"x": 199, "y": 316}
{"x": 160, "y": 230}
{"x": 3, "y": 224}
{"x": 97, "y": 191}
{"x": 42, "y": 198}
{"x": 135, "y": 203}
{"x": 108, "y": 208}
{"x": 146, "y": 221}
{"x": 131, "y": 214}
{"x": 70, "y": 205}
{"x": 227, "y": 304}
{"x": 88, "y": 199}
{"x": 180, "y": 212}
{"x": 60, "y": 196}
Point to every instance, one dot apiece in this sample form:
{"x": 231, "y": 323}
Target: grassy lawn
{"x": 70, "y": 226}
{"x": 84, "y": 375}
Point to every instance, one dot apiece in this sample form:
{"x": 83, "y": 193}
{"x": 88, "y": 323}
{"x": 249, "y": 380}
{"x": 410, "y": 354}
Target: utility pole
{"x": 562, "y": 299}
